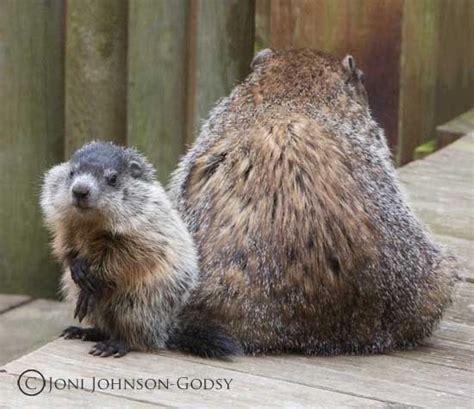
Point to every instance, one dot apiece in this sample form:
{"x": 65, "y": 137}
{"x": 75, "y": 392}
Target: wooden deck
{"x": 438, "y": 375}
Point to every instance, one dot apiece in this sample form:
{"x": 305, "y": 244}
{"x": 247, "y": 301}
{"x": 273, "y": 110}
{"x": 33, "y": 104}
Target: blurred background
{"x": 146, "y": 72}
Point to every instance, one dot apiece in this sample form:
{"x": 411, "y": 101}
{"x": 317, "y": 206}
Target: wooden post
{"x": 418, "y": 70}
{"x": 96, "y": 71}
{"x": 31, "y": 138}
{"x": 157, "y": 69}
{"x": 263, "y": 24}
{"x": 222, "y": 37}
{"x": 182, "y": 57}
{"x": 455, "y": 59}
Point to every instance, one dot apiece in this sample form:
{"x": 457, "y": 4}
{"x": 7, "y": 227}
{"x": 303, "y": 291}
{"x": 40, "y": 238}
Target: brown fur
{"x": 127, "y": 261}
{"x": 304, "y": 239}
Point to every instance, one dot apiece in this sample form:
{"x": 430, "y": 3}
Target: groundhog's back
{"x": 290, "y": 194}
{"x": 279, "y": 223}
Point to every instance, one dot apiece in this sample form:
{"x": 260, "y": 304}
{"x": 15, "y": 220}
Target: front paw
{"x": 85, "y": 334}
{"x": 80, "y": 274}
{"x": 72, "y": 333}
{"x": 110, "y": 347}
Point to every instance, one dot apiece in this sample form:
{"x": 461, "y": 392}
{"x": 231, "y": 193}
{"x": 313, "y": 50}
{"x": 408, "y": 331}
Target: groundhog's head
{"x": 306, "y": 75}
{"x": 101, "y": 182}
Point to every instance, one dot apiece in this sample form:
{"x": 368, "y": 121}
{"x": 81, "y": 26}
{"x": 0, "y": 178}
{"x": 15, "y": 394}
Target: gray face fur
{"x": 100, "y": 178}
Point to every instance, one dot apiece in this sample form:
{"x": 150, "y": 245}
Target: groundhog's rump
{"x": 305, "y": 240}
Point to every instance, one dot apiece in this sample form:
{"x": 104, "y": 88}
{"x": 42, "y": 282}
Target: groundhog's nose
{"x": 82, "y": 195}
{"x": 80, "y": 191}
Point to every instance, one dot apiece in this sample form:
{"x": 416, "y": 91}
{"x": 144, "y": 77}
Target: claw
{"x": 96, "y": 352}
{"x": 120, "y": 354}
{"x": 81, "y": 306}
{"x": 73, "y": 333}
{"x": 106, "y": 353}
{"x": 108, "y": 348}
{"x": 78, "y": 304}
{"x": 84, "y": 305}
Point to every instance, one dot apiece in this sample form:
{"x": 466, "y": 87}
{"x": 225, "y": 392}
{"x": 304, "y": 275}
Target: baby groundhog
{"x": 305, "y": 239}
{"x": 130, "y": 263}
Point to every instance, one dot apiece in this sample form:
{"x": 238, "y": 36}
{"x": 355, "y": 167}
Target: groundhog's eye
{"x": 112, "y": 180}
{"x": 71, "y": 173}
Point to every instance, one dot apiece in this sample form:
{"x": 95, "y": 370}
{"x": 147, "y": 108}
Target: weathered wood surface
{"x": 454, "y": 129}
{"x": 436, "y": 375}
{"x": 221, "y": 49}
{"x": 442, "y": 189}
{"x": 182, "y": 57}
{"x": 418, "y": 71}
{"x": 28, "y": 324}
{"x": 31, "y": 137}
{"x": 455, "y": 59}
{"x": 157, "y": 71}
{"x": 96, "y": 71}
{"x": 10, "y": 301}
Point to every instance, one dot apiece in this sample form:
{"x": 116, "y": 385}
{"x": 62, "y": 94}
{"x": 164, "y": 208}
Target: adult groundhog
{"x": 305, "y": 240}
{"x": 130, "y": 263}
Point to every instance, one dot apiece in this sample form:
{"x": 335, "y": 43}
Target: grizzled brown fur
{"x": 305, "y": 240}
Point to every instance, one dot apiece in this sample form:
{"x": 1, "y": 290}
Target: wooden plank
{"x": 10, "y": 301}
{"x": 441, "y": 381}
{"x": 442, "y": 171}
{"x": 437, "y": 80}
{"x": 13, "y": 398}
{"x": 368, "y": 29}
{"x": 464, "y": 250}
{"x": 466, "y": 143}
{"x": 352, "y": 378}
{"x": 417, "y": 76}
{"x": 454, "y": 129}
{"x": 386, "y": 378}
{"x": 462, "y": 310}
{"x": 31, "y": 132}
{"x": 453, "y": 172}
{"x": 442, "y": 354}
{"x": 455, "y": 60}
{"x": 262, "y": 24}
{"x": 441, "y": 217}
{"x": 69, "y": 359}
{"x": 157, "y": 70}
{"x": 454, "y": 334}
{"x": 222, "y": 43}
{"x": 96, "y": 71}
{"x": 456, "y": 157}
{"x": 30, "y": 326}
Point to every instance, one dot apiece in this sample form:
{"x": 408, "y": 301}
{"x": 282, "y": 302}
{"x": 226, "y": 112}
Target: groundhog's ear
{"x": 260, "y": 57}
{"x": 349, "y": 64}
{"x": 136, "y": 169}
